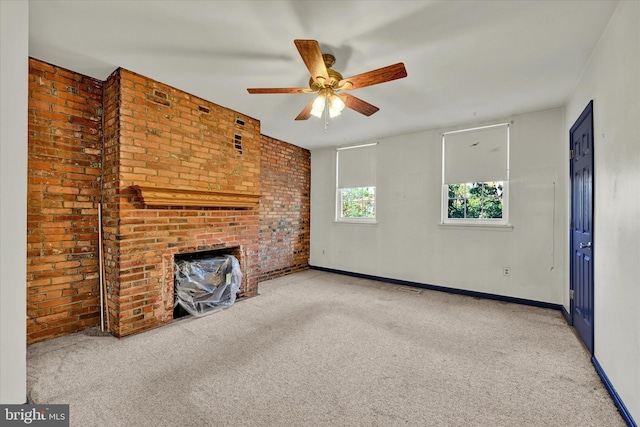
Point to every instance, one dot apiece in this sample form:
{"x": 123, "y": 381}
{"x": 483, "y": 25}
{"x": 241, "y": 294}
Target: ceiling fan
{"x": 327, "y": 83}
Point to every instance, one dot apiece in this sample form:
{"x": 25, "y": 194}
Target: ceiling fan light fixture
{"x": 336, "y": 105}
{"x": 329, "y": 101}
{"x": 318, "y": 105}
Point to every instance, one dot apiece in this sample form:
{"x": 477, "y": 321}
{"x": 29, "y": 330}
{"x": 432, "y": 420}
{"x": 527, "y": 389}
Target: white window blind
{"x": 479, "y": 155}
{"x": 357, "y": 166}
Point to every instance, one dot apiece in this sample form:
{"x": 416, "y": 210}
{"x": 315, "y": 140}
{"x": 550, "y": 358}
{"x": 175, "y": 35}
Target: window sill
{"x": 461, "y": 226}
{"x": 355, "y": 221}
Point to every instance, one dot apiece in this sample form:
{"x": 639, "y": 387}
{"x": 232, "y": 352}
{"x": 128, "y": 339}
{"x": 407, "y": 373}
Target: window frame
{"x": 340, "y": 205}
{"x": 475, "y": 221}
{"x": 444, "y": 199}
{"x": 339, "y": 200}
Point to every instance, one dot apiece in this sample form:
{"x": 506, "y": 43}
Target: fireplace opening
{"x": 206, "y": 282}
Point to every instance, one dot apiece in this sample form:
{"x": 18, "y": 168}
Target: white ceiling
{"x": 467, "y": 61}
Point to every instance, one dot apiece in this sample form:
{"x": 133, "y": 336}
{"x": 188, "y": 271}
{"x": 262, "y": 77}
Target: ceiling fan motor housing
{"x": 334, "y": 76}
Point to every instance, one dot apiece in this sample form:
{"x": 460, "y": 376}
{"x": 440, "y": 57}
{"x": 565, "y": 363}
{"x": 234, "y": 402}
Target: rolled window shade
{"x": 476, "y": 156}
{"x": 357, "y": 167}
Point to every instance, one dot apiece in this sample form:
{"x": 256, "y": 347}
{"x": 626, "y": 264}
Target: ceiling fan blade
{"x": 306, "y": 111}
{"x": 279, "y": 90}
{"x": 312, "y": 57}
{"x": 358, "y": 104}
{"x": 374, "y": 77}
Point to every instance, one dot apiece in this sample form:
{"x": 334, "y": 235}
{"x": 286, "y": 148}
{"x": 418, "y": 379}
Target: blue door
{"x": 581, "y": 167}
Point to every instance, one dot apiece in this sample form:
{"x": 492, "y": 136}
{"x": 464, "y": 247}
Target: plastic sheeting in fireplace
{"x": 204, "y": 286}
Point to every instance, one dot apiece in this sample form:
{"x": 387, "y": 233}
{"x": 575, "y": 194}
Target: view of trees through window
{"x": 475, "y": 200}
{"x": 358, "y": 202}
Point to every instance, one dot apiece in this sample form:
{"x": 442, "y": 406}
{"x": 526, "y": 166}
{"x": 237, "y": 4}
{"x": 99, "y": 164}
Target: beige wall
{"x": 612, "y": 81}
{"x": 409, "y": 244}
{"x": 14, "y": 53}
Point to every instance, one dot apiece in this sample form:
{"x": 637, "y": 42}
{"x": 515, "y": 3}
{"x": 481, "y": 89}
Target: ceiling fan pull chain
{"x": 326, "y": 114}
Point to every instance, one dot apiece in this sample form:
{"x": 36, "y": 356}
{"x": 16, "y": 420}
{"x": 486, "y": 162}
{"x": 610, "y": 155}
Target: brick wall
{"x": 163, "y": 137}
{"x": 65, "y": 166}
{"x": 151, "y": 134}
{"x": 284, "y": 208}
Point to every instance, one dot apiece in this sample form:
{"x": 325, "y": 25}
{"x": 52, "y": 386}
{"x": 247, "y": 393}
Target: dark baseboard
{"x": 567, "y": 315}
{"x": 626, "y": 415}
{"x": 445, "y": 289}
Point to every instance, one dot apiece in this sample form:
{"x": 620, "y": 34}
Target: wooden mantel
{"x": 161, "y": 196}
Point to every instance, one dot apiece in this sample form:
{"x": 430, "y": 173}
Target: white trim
{"x": 479, "y": 226}
{"x": 444, "y": 195}
{"x": 477, "y": 128}
{"x": 358, "y": 221}
{"x": 356, "y": 146}
{"x": 505, "y": 185}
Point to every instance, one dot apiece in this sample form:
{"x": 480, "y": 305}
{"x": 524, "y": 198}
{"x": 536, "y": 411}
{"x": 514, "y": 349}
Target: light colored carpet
{"x": 320, "y": 349}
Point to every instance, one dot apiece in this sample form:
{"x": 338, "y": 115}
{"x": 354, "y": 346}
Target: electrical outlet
{"x": 506, "y": 271}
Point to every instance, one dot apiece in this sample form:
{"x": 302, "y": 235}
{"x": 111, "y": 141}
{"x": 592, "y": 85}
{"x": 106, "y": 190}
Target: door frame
{"x": 587, "y": 110}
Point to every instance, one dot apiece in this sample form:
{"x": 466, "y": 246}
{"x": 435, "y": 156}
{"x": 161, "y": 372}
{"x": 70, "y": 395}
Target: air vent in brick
{"x": 160, "y": 97}
{"x": 237, "y": 143}
{"x": 204, "y": 109}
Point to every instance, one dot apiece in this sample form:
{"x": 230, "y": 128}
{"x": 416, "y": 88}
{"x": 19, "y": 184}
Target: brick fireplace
{"x": 181, "y": 175}
{"x": 173, "y": 173}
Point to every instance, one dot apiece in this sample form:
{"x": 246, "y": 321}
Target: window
{"x": 359, "y": 202}
{"x": 356, "y": 183}
{"x": 475, "y": 200}
{"x": 475, "y": 175}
